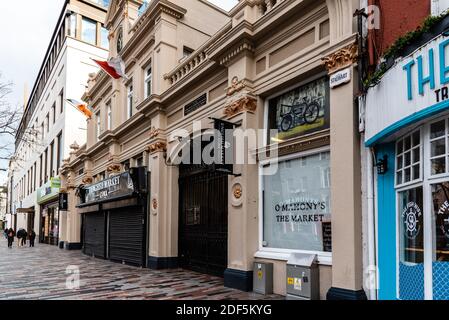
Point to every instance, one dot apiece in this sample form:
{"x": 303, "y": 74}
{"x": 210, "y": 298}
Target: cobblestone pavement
{"x": 40, "y": 273}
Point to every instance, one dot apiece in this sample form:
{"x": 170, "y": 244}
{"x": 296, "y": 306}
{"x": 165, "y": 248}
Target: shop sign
{"x": 49, "y": 190}
{"x": 224, "y": 146}
{"x": 411, "y": 217}
{"x": 300, "y": 111}
{"x": 415, "y": 88}
{"x": 339, "y": 78}
{"x": 114, "y": 187}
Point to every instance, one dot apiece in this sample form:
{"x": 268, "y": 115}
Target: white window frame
{"x": 426, "y": 182}
{"x": 324, "y": 258}
{"x": 148, "y": 80}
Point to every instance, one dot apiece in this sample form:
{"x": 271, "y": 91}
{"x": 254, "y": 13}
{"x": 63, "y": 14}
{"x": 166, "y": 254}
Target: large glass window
{"x": 411, "y": 244}
{"x": 104, "y": 38}
{"x": 148, "y": 77}
{"x": 89, "y": 31}
{"x": 296, "y": 205}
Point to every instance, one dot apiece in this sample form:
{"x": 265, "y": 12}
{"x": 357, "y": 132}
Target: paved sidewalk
{"x": 40, "y": 273}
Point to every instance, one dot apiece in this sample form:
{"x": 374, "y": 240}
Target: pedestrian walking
{"x": 11, "y": 235}
{"x": 32, "y": 237}
{"x": 19, "y": 237}
{"x": 24, "y": 238}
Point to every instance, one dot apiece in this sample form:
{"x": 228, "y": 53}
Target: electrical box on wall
{"x": 263, "y": 278}
{"x": 303, "y": 281}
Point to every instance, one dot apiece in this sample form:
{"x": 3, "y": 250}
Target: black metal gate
{"x": 203, "y": 220}
{"x": 127, "y": 237}
{"x": 94, "y": 236}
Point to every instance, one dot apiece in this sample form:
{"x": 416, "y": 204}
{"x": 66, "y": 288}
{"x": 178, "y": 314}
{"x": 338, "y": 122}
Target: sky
{"x": 25, "y": 35}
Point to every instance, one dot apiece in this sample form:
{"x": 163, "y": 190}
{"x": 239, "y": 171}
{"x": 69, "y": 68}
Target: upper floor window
{"x": 61, "y": 101}
{"x": 109, "y": 114}
{"x": 72, "y": 25}
{"x": 89, "y": 31}
{"x": 104, "y": 38}
{"x": 120, "y": 40}
{"x": 148, "y": 77}
{"x": 98, "y": 117}
{"x": 47, "y": 122}
{"x": 129, "y": 110}
{"x": 53, "y": 111}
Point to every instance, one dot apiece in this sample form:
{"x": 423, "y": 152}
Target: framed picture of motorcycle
{"x": 300, "y": 111}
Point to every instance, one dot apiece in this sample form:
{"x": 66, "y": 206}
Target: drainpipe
{"x": 371, "y": 224}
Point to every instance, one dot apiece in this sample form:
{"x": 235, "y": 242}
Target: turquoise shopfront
{"x": 407, "y": 129}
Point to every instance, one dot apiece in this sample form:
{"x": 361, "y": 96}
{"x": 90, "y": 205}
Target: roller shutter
{"x": 94, "y": 235}
{"x": 127, "y": 240}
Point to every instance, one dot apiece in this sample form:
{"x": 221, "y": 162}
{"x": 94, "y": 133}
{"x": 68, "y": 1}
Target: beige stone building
{"x": 263, "y": 65}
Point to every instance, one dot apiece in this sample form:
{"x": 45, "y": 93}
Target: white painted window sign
{"x": 339, "y": 78}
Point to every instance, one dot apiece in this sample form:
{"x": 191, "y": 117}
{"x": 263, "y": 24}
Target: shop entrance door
{"x": 203, "y": 221}
{"x": 49, "y": 225}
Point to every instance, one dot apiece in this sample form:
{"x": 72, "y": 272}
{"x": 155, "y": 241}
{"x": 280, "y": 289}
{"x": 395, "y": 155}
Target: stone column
{"x": 345, "y": 181}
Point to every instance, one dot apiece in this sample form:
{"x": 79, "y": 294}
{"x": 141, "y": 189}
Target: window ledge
{"x": 323, "y": 259}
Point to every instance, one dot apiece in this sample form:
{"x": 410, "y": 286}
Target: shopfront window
{"x": 296, "y": 205}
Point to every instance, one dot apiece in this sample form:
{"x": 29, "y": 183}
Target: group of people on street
{"x": 21, "y": 235}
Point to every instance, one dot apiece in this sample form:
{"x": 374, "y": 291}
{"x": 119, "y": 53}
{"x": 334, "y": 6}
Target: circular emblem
{"x": 411, "y": 218}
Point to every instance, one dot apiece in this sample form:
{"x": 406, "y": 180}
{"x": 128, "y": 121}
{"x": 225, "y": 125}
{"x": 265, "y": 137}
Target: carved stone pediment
{"x": 241, "y": 105}
{"x": 342, "y": 58}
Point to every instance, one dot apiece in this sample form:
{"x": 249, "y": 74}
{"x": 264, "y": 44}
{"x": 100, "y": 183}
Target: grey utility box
{"x": 303, "y": 281}
{"x": 263, "y": 278}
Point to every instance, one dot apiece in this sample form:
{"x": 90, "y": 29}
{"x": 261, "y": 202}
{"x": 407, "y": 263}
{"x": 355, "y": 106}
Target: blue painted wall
{"x": 386, "y": 226}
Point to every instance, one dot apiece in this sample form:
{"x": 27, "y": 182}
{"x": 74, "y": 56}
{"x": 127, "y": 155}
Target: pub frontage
{"x": 265, "y": 73}
{"x": 407, "y": 129}
{"x": 114, "y": 218}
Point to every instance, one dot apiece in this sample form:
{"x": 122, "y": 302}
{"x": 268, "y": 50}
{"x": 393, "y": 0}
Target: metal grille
{"x": 441, "y": 280}
{"x": 411, "y": 282}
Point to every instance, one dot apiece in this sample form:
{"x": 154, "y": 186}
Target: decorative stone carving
{"x": 157, "y": 147}
{"x": 154, "y": 132}
{"x": 236, "y": 86}
{"x": 115, "y": 167}
{"x": 241, "y": 105}
{"x": 87, "y": 180}
{"x": 74, "y": 146}
{"x": 111, "y": 35}
{"x": 342, "y": 58}
{"x": 154, "y": 204}
{"x": 238, "y": 191}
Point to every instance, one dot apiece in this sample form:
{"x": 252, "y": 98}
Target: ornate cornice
{"x": 342, "y": 58}
{"x": 245, "y": 46}
{"x": 241, "y": 105}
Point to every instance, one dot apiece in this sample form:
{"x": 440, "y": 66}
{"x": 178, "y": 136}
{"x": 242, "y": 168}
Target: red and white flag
{"x": 115, "y": 67}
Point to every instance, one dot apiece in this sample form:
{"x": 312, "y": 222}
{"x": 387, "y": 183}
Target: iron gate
{"x": 203, "y": 220}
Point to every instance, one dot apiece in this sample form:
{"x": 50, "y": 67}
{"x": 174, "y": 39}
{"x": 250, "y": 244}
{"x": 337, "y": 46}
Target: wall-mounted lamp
{"x": 382, "y": 165}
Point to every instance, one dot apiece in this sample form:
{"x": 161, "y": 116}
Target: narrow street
{"x": 40, "y": 274}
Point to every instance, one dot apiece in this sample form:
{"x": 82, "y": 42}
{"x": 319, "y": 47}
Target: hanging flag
{"x": 81, "y": 106}
{"x": 114, "y": 67}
